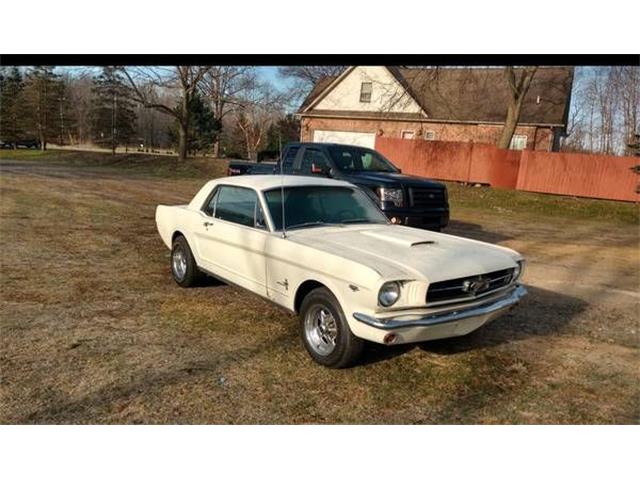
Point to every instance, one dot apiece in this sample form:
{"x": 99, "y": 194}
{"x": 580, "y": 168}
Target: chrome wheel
{"x": 179, "y": 263}
{"x": 321, "y": 330}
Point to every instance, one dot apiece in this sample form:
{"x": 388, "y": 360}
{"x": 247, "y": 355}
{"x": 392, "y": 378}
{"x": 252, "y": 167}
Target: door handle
{"x": 207, "y": 224}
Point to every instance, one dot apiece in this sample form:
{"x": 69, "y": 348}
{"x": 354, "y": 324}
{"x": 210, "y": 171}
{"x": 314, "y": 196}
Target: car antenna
{"x": 284, "y": 224}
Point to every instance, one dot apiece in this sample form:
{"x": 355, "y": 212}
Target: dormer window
{"x": 365, "y": 92}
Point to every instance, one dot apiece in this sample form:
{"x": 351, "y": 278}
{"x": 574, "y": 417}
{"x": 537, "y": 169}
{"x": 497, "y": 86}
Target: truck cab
{"x": 405, "y": 199}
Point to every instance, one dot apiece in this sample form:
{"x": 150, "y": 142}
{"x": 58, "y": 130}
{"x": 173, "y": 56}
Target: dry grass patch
{"x": 93, "y": 329}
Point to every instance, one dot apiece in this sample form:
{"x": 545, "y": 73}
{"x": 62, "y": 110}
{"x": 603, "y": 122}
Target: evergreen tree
{"x": 12, "y": 108}
{"x": 204, "y": 129}
{"x": 40, "y": 92}
{"x": 285, "y": 130}
{"x": 113, "y": 114}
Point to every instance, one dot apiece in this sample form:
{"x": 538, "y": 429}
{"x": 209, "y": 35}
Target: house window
{"x": 429, "y": 135}
{"x": 518, "y": 142}
{"x": 365, "y": 92}
{"x": 408, "y": 134}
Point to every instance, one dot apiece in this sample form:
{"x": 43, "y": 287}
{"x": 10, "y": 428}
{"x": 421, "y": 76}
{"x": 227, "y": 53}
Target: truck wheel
{"x": 183, "y": 266}
{"x": 325, "y": 332}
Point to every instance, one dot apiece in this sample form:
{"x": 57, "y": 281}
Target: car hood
{"x": 404, "y": 253}
{"x": 389, "y": 178}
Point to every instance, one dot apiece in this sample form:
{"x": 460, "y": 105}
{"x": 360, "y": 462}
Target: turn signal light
{"x": 390, "y": 338}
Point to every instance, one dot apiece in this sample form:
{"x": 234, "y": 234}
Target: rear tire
{"x": 325, "y": 332}
{"x": 183, "y": 266}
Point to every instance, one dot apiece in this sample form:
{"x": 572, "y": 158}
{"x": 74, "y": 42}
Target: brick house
{"x": 449, "y": 104}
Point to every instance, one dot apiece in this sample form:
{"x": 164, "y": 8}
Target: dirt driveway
{"x": 93, "y": 329}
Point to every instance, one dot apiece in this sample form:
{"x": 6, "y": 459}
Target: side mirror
{"x": 321, "y": 170}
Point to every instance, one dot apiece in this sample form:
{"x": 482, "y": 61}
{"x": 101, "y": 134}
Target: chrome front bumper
{"x": 491, "y": 308}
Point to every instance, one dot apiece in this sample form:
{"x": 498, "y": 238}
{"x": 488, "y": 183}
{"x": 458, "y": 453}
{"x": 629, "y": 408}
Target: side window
{"x": 367, "y": 160}
{"x": 289, "y": 157}
{"x": 237, "y": 205}
{"x": 408, "y": 134}
{"x": 210, "y": 206}
{"x": 314, "y": 162}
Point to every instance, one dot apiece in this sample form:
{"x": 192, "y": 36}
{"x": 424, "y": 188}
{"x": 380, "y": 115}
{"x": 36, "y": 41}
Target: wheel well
{"x": 306, "y": 287}
{"x": 175, "y": 235}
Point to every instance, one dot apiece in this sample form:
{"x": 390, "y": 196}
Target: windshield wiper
{"x": 308, "y": 224}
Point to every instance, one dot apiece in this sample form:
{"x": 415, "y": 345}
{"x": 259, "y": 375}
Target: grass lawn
{"x": 94, "y": 330}
{"x": 131, "y": 164}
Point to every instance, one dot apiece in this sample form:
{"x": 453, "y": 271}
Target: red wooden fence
{"x": 581, "y": 175}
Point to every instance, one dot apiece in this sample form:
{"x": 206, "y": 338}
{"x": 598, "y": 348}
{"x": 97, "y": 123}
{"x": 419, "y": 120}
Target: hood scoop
{"x": 399, "y": 237}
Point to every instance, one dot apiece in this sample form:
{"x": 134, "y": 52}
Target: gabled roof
{"x": 477, "y": 94}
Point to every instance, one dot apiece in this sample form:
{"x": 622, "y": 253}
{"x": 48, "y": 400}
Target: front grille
{"x": 426, "y": 197}
{"x": 469, "y": 287}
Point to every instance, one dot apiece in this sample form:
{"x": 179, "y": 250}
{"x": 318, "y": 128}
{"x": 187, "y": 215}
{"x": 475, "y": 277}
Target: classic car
{"x": 321, "y": 248}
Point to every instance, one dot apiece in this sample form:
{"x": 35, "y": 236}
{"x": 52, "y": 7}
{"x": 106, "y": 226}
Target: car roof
{"x": 267, "y": 182}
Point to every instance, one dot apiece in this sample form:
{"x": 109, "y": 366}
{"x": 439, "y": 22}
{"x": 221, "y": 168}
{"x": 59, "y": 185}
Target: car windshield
{"x": 311, "y": 206}
{"x": 357, "y": 159}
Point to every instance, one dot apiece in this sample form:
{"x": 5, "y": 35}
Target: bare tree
{"x": 223, "y": 87}
{"x": 259, "y": 108}
{"x": 310, "y": 75}
{"x": 518, "y": 81}
{"x": 304, "y": 78}
{"x": 183, "y": 80}
{"x": 627, "y": 86}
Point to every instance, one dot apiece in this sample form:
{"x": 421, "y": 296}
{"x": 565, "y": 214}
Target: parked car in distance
{"x": 323, "y": 249}
{"x": 244, "y": 167}
{"x": 24, "y": 143}
{"x": 405, "y": 199}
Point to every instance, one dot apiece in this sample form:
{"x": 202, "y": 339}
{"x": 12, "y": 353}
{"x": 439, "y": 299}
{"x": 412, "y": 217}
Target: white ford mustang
{"x": 339, "y": 264}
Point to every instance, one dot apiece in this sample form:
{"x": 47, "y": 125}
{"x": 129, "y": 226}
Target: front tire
{"x": 325, "y": 332}
{"x": 183, "y": 266}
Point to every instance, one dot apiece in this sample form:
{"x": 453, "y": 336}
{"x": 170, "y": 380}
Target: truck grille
{"x": 469, "y": 287}
{"x": 426, "y": 197}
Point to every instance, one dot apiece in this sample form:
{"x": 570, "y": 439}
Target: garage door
{"x": 349, "y": 138}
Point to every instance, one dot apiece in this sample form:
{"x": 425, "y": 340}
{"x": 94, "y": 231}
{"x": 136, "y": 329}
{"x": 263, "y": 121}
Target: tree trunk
{"x": 182, "y": 141}
{"x": 183, "y": 128}
{"x": 518, "y": 88}
{"x": 216, "y": 148}
{"x": 510, "y": 124}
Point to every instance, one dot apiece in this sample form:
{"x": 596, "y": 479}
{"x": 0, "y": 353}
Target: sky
{"x": 268, "y": 74}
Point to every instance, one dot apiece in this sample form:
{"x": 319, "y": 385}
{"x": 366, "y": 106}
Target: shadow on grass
{"x": 541, "y": 313}
{"x": 474, "y": 231}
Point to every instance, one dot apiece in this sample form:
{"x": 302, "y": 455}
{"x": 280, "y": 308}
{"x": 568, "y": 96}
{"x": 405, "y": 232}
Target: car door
{"x": 232, "y": 237}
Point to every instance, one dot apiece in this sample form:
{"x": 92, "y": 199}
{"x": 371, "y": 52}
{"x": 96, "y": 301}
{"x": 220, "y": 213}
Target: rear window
{"x": 289, "y": 157}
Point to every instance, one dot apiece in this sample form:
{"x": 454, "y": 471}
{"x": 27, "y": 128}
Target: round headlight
{"x": 389, "y": 294}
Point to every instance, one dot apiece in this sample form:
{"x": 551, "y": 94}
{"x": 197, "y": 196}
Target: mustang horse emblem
{"x": 475, "y": 286}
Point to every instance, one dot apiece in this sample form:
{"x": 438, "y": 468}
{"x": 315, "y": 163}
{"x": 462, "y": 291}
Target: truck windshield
{"x": 311, "y": 206}
{"x": 357, "y": 159}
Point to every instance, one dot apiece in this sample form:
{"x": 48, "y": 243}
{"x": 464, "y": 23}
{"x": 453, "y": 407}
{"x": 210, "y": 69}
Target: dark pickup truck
{"x": 405, "y": 199}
